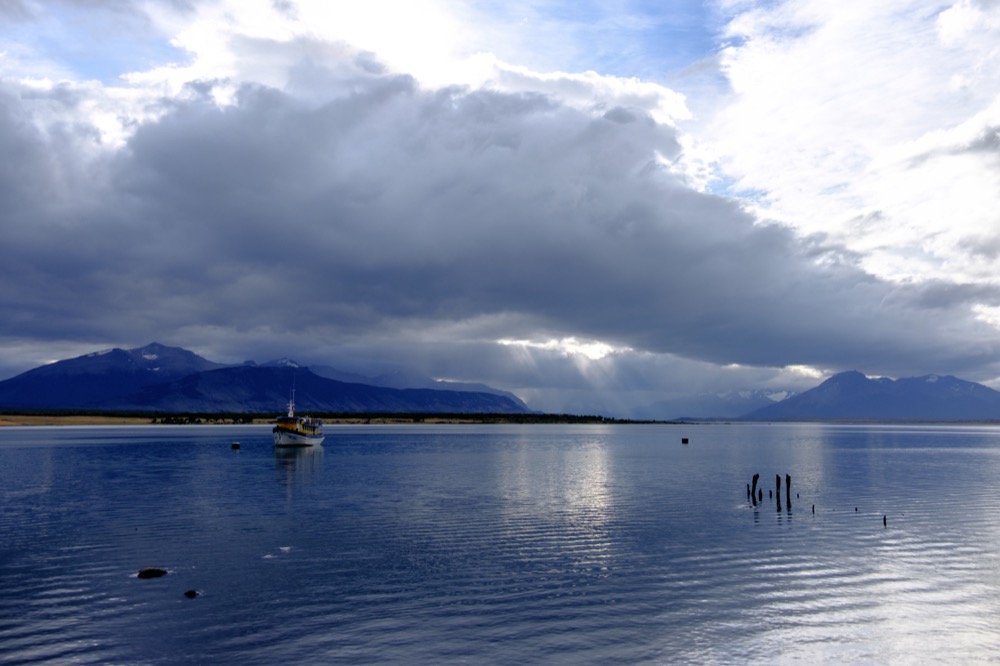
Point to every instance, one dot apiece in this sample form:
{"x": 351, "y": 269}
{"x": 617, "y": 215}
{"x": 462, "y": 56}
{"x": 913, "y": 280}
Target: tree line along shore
{"x": 132, "y": 418}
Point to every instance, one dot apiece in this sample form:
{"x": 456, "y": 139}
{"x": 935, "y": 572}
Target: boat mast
{"x": 291, "y": 403}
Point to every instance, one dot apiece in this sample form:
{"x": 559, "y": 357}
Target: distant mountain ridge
{"x": 709, "y": 406}
{"x": 158, "y": 378}
{"x": 408, "y": 380}
{"x": 853, "y": 396}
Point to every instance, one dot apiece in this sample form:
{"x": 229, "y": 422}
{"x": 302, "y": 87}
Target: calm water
{"x": 496, "y": 544}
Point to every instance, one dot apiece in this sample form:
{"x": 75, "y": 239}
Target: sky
{"x": 594, "y": 204}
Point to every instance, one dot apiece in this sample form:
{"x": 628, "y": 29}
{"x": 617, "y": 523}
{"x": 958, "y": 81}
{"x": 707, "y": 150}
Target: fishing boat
{"x": 295, "y": 430}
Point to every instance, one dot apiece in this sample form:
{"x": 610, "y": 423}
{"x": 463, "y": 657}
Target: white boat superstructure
{"x": 292, "y": 430}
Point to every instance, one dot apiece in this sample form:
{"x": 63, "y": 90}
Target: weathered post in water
{"x": 753, "y": 491}
{"x": 788, "y": 491}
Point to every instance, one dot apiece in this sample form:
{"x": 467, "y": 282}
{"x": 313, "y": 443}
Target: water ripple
{"x": 509, "y": 545}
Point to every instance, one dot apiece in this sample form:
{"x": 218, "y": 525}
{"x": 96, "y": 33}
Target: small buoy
{"x": 235, "y": 446}
{"x": 191, "y": 594}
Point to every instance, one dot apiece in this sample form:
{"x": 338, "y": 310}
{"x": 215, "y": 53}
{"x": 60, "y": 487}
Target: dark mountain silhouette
{"x": 173, "y": 380}
{"x": 256, "y": 389}
{"x": 853, "y": 396}
{"x": 412, "y": 380}
{"x": 94, "y": 379}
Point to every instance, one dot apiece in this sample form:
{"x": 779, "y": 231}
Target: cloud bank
{"x": 284, "y": 193}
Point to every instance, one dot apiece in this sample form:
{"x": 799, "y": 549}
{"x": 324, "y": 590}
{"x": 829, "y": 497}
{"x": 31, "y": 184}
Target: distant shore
{"x": 42, "y": 419}
{"x": 78, "y": 419}
{"x": 30, "y": 420}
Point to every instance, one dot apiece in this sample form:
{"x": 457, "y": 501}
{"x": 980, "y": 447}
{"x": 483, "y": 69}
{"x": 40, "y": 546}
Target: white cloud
{"x": 844, "y": 119}
{"x": 590, "y": 90}
{"x": 592, "y": 350}
{"x": 965, "y": 20}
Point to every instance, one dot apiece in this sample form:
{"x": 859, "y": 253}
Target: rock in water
{"x": 152, "y": 572}
{"x": 191, "y": 594}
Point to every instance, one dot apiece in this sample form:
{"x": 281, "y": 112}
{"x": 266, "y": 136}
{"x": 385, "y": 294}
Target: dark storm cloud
{"x": 386, "y": 218}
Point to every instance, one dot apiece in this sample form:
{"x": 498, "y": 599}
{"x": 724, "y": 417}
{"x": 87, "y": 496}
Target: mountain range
{"x": 853, "y": 396}
{"x": 158, "y": 378}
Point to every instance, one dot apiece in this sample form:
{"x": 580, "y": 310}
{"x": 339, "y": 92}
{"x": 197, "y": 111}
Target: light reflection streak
{"x": 297, "y": 466}
{"x": 559, "y": 494}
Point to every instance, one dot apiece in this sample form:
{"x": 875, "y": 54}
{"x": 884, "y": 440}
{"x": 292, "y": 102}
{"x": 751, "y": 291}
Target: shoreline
{"x": 28, "y": 420}
{"x": 22, "y": 420}
{"x": 9, "y": 420}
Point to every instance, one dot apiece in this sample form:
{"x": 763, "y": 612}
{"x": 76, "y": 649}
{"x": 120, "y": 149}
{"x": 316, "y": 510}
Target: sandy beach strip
{"x": 30, "y": 420}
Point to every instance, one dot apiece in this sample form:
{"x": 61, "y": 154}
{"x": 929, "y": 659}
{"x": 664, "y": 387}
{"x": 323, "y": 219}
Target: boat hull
{"x": 285, "y": 438}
